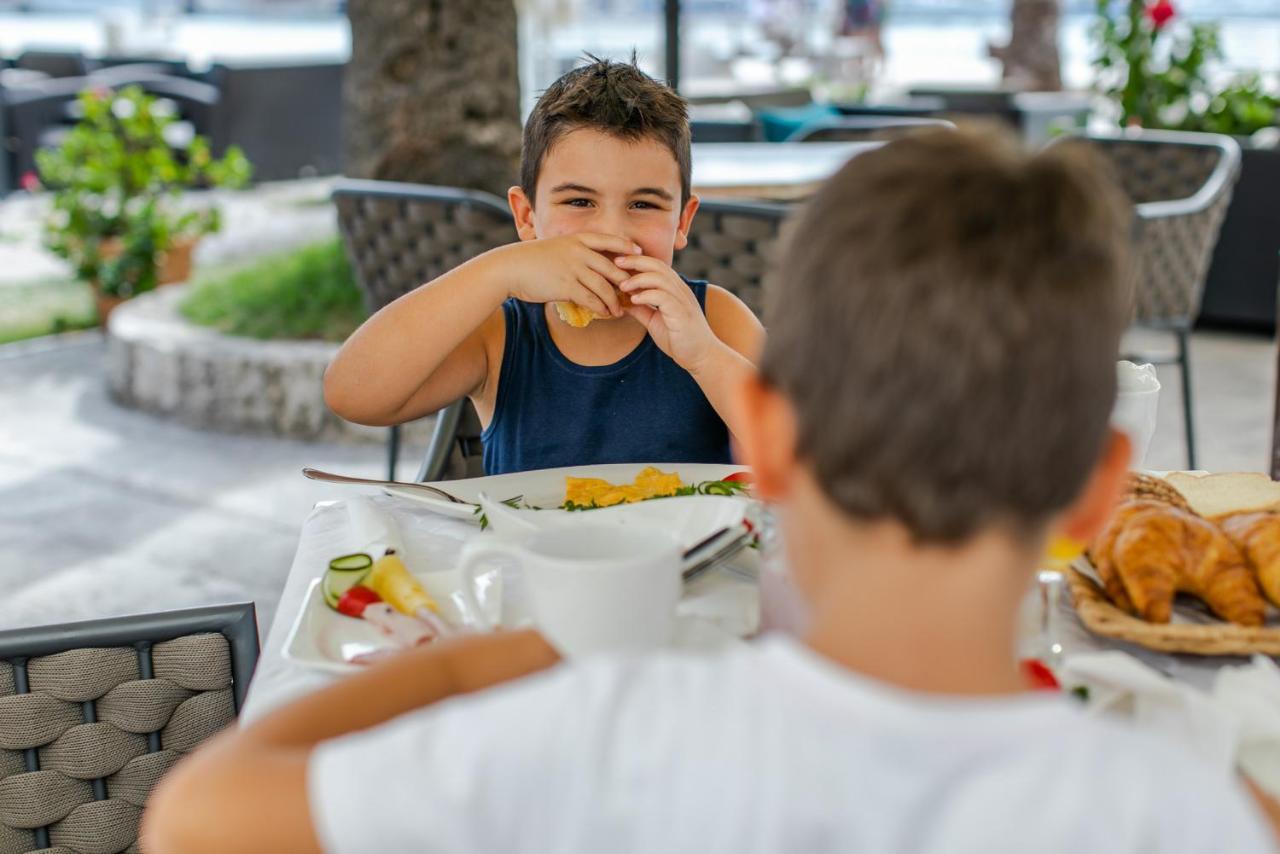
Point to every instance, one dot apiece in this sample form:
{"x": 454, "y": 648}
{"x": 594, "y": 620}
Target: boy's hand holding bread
{"x": 574, "y": 268}
{"x": 669, "y": 310}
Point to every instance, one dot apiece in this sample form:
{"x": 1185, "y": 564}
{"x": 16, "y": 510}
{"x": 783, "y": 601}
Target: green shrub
{"x": 308, "y": 293}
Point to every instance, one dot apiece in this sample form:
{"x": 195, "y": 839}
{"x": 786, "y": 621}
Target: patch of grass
{"x": 307, "y": 293}
{"x": 44, "y": 307}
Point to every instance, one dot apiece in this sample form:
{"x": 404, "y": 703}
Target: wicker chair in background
{"x": 93, "y": 714}
{"x": 1181, "y": 185}
{"x": 399, "y": 236}
{"x": 866, "y": 129}
{"x": 730, "y": 245}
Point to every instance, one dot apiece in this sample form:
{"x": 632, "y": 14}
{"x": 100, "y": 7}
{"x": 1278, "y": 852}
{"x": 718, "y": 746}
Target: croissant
{"x": 1140, "y": 486}
{"x": 1258, "y": 536}
{"x": 1150, "y": 551}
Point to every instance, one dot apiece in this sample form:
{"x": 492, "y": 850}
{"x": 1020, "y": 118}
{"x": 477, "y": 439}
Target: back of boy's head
{"x": 945, "y": 320}
{"x": 616, "y": 98}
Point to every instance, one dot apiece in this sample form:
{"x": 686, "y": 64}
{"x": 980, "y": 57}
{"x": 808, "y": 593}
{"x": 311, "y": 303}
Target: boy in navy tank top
{"x": 579, "y": 344}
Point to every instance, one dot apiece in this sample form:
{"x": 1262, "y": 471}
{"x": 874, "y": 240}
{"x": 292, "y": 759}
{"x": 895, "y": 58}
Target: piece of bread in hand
{"x": 578, "y": 317}
{"x": 1213, "y": 495}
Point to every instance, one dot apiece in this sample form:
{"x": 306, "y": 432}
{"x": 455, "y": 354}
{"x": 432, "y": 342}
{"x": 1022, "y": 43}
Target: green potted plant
{"x": 118, "y": 215}
{"x": 1155, "y": 68}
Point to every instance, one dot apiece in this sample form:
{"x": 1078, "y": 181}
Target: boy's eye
{"x": 645, "y": 205}
{"x": 578, "y": 203}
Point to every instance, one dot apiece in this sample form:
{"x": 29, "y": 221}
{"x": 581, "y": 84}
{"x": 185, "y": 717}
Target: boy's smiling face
{"x": 593, "y": 181}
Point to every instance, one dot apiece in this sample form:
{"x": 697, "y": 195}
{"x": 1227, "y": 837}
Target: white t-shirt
{"x": 768, "y": 748}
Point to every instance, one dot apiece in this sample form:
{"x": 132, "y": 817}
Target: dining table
{"x": 771, "y": 171}
{"x": 727, "y": 599}
{"x": 719, "y": 606}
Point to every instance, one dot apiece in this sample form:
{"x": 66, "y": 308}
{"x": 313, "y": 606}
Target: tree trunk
{"x": 432, "y": 93}
{"x": 1030, "y": 59}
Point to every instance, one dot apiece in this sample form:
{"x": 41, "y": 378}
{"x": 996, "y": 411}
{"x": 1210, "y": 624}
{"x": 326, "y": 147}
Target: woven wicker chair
{"x": 93, "y": 714}
{"x": 399, "y": 236}
{"x": 730, "y": 245}
{"x": 866, "y": 129}
{"x": 1181, "y": 185}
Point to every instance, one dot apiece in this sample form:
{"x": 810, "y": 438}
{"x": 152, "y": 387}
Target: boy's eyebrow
{"x": 572, "y": 188}
{"x": 654, "y": 191}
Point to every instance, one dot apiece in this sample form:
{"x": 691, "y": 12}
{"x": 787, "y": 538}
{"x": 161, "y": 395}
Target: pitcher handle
{"x": 473, "y": 555}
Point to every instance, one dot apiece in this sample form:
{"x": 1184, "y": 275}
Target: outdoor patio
{"x": 871, "y": 608}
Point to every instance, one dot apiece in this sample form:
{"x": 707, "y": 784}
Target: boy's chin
{"x": 579, "y": 317}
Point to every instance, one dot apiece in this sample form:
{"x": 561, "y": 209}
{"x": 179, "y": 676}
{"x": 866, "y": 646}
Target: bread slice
{"x": 578, "y": 317}
{"x": 575, "y": 315}
{"x": 1214, "y": 495}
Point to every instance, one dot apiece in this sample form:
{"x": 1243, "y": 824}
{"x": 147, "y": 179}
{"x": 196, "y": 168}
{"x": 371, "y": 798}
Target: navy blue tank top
{"x": 552, "y": 412}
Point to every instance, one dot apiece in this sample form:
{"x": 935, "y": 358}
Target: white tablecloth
{"x": 434, "y": 541}
{"x": 720, "y": 596}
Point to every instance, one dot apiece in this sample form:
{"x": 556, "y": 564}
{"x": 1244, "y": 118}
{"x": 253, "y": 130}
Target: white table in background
{"x": 776, "y": 171}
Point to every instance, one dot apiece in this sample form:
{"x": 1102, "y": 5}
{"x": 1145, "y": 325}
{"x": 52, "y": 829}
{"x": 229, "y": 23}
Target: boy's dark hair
{"x": 945, "y": 319}
{"x": 616, "y": 98}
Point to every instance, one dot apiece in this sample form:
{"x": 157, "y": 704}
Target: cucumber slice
{"x": 344, "y": 573}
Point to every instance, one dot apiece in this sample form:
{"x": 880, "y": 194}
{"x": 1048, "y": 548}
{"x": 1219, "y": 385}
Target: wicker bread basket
{"x": 1219, "y": 638}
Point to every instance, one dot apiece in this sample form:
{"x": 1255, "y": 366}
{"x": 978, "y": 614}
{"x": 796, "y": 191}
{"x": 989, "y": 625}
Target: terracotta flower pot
{"x": 173, "y": 266}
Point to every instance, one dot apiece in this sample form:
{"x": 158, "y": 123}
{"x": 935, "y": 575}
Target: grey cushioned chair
{"x": 93, "y": 714}
{"x": 399, "y": 236}
{"x": 1181, "y": 185}
{"x": 730, "y": 245}
{"x": 865, "y": 128}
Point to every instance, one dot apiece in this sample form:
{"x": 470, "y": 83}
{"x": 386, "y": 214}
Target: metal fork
{"x": 316, "y": 474}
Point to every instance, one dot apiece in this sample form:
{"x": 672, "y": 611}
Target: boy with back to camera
{"x": 932, "y": 406}
{"x": 604, "y": 202}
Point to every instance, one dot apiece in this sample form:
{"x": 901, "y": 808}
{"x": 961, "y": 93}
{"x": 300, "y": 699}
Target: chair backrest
{"x": 866, "y": 128}
{"x": 1152, "y": 167}
{"x": 1181, "y": 185}
{"x": 730, "y": 244}
{"x": 93, "y": 714}
{"x": 399, "y": 236}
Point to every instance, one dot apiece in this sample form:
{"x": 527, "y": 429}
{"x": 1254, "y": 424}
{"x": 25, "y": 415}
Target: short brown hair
{"x": 946, "y": 319}
{"x": 616, "y": 98}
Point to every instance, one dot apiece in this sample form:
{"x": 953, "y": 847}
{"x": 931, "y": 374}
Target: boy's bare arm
{"x": 431, "y": 346}
{"x": 726, "y": 368}
{"x": 246, "y": 789}
{"x": 1268, "y": 805}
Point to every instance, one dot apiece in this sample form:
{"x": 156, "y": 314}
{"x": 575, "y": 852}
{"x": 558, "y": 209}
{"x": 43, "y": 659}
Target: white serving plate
{"x": 545, "y": 487}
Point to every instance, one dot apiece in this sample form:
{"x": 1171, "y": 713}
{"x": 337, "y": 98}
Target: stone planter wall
{"x": 159, "y": 362}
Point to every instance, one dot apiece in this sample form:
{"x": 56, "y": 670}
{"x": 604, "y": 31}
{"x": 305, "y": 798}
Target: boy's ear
{"x": 1084, "y": 520}
{"x": 686, "y": 220}
{"x": 766, "y": 437}
{"x": 522, "y": 212}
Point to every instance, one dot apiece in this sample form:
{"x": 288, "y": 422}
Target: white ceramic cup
{"x": 1137, "y": 397}
{"x": 591, "y": 588}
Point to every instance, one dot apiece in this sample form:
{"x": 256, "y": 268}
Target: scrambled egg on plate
{"x": 592, "y": 491}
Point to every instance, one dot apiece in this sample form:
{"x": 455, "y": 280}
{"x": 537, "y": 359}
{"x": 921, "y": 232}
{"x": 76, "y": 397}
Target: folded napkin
{"x": 1236, "y": 725}
{"x": 371, "y": 528}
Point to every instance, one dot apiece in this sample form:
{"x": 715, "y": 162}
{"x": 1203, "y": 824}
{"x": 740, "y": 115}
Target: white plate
{"x": 323, "y": 639}
{"x": 690, "y": 519}
{"x": 545, "y": 487}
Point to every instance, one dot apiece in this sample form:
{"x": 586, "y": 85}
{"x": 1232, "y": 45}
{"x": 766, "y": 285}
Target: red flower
{"x": 29, "y": 182}
{"x": 1160, "y": 13}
